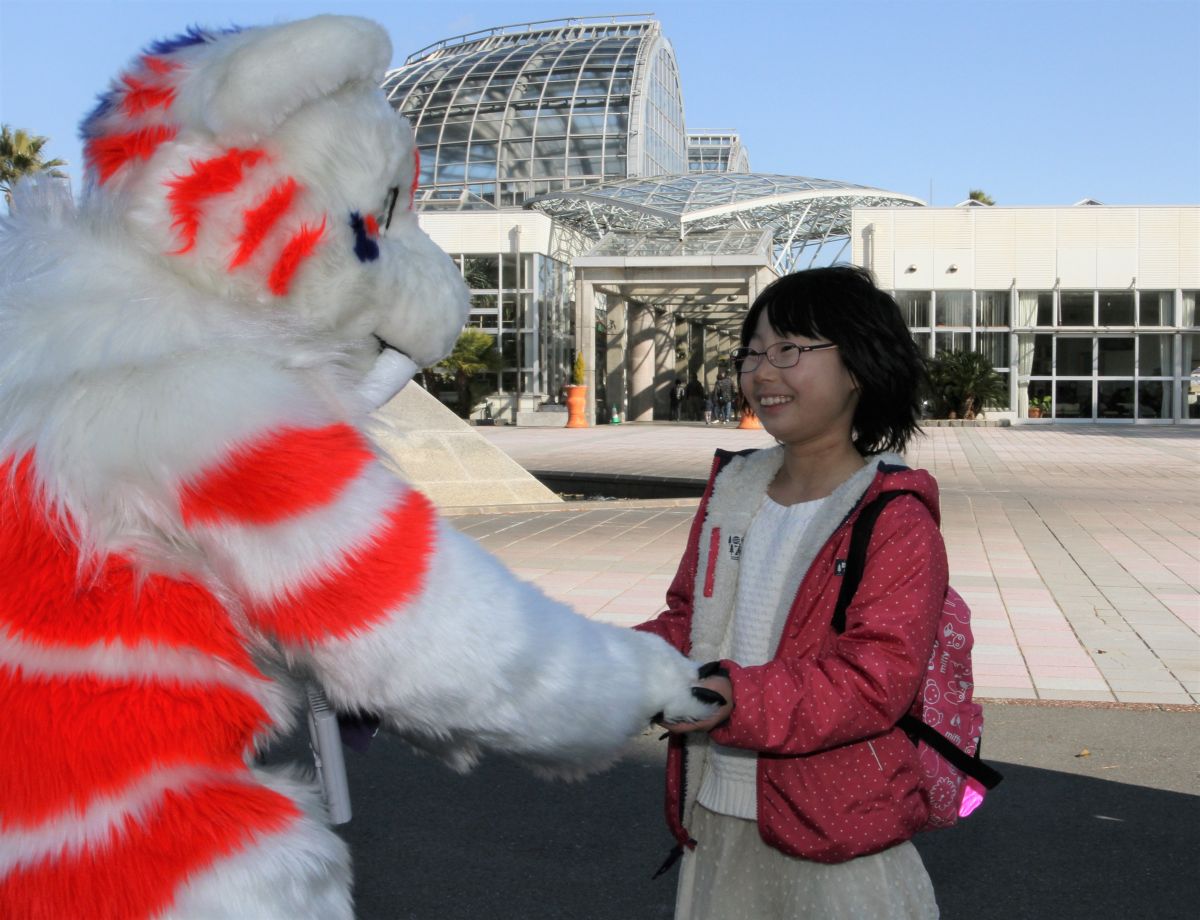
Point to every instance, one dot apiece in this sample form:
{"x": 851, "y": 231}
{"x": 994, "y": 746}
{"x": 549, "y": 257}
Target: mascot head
{"x": 266, "y": 167}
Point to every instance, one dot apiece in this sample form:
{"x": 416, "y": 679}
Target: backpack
{"x": 948, "y": 730}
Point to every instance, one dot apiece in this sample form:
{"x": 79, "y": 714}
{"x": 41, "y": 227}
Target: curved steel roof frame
{"x": 805, "y": 215}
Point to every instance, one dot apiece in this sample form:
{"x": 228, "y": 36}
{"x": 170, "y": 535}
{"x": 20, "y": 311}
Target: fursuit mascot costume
{"x": 193, "y": 522}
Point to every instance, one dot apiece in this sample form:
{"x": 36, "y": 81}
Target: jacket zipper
{"x": 875, "y": 755}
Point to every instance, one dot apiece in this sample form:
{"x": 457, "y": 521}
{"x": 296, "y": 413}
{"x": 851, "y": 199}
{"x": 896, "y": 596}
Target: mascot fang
{"x": 193, "y": 522}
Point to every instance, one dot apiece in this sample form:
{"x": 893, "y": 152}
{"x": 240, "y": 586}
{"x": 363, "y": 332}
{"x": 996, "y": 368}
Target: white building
{"x": 1089, "y": 310}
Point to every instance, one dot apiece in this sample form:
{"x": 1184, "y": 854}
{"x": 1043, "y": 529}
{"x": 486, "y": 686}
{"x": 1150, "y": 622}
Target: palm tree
{"x": 964, "y": 383}
{"x": 21, "y": 155}
{"x": 978, "y": 194}
{"x": 475, "y": 354}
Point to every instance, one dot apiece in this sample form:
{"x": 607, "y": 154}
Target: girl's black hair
{"x": 842, "y": 305}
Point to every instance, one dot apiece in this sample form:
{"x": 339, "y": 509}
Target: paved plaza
{"x": 1078, "y": 548}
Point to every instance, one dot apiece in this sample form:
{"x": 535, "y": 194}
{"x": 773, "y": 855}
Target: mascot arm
{"x": 354, "y": 576}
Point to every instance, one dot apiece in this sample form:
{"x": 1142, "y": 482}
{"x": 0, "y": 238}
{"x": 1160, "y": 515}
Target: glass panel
{"x": 1116, "y": 308}
{"x": 484, "y": 321}
{"x": 954, "y": 308}
{"x": 1074, "y": 357}
{"x": 1115, "y": 399}
{"x": 922, "y": 340}
{"x": 1073, "y": 399}
{"x": 455, "y": 132}
{"x": 1189, "y": 399}
{"x": 1151, "y": 399}
{"x": 1045, "y": 308}
{"x": 1075, "y": 308}
{"x": 1156, "y": 308}
{"x": 953, "y": 341}
{"x": 486, "y": 130}
{"x": 508, "y": 381}
{"x": 1189, "y": 308}
{"x": 482, "y": 273}
{"x": 1154, "y": 356}
{"x": 1043, "y": 356}
{"x": 1039, "y": 399}
{"x": 995, "y": 346}
{"x": 993, "y": 308}
{"x": 1115, "y": 357}
{"x": 485, "y": 170}
{"x": 508, "y": 271}
{"x": 508, "y": 348}
{"x": 914, "y": 307}
{"x": 508, "y": 311}
{"x": 1190, "y": 388}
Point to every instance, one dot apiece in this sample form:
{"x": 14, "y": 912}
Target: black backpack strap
{"x": 856, "y": 562}
{"x": 966, "y": 763}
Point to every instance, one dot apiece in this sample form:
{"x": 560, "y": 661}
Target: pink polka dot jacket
{"x": 835, "y": 778}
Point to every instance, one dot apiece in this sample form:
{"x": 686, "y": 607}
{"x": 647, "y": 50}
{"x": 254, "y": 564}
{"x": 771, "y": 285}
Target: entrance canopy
{"x": 806, "y": 218}
{"x": 707, "y": 277}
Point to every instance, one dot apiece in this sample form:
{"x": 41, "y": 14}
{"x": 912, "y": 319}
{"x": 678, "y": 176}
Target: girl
{"x": 798, "y": 798}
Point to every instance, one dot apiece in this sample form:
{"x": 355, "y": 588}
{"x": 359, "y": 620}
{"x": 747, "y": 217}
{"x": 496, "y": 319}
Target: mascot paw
{"x": 670, "y": 685}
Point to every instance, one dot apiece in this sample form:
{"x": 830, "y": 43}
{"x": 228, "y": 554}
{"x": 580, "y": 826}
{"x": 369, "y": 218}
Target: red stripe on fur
{"x": 108, "y": 154}
{"x": 298, "y": 248}
{"x": 137, "y": 871}
{"x": 412, "y": 189}
{"x": 159, "y": 65}
{"x": 283, "y": 475}
{"x": 44, "y": 598}
{"x": 141, "y": 96}
{"x": 362, "y": 588}
{"x": 258, "y": 221}
{"x": 67, "y": 740}
{"x": 208, "y": 178}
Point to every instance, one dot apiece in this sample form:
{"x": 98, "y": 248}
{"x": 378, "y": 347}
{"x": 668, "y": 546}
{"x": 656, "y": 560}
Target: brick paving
{"x": 1078, "y": 548}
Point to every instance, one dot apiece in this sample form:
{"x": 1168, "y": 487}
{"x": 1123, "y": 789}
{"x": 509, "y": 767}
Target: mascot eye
{"x": 389, "y": 206}
{"x": 366, "y": 236}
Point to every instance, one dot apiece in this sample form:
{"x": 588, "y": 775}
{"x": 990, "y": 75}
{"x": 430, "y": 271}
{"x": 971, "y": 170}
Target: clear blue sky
{"x": 1035, "y": 101}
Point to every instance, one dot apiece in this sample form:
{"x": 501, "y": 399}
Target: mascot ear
{"x": 276, "y": 71}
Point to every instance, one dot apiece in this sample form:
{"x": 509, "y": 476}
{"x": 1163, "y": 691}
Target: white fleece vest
{"x": 736, "y": 496}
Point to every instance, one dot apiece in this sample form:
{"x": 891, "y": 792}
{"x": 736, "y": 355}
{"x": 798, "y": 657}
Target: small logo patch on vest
{"x": 839, "y": 567}
{"x": 735, "y": 547}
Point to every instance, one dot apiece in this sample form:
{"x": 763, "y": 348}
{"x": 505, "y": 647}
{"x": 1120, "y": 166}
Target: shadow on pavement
{"x": 500, "y": 843}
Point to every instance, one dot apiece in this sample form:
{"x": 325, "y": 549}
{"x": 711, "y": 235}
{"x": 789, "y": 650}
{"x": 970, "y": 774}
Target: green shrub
{"x": 964, "y": 383}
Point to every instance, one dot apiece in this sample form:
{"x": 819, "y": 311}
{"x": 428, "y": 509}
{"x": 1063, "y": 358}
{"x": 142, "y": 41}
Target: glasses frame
{"x": 749, "y": 354}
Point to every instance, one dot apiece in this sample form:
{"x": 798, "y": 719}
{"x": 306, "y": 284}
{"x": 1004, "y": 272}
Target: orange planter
{"x": 749, "y": 420}
{"x": 577, "y": 407}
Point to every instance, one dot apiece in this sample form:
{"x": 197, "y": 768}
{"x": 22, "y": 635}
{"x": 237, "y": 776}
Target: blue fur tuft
{"x": 365, "y": 248}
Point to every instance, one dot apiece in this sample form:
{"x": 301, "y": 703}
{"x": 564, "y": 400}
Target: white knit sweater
{"x": 729, "y": 783}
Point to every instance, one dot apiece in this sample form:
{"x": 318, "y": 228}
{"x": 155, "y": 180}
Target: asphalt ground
{"x": 1097, "y": 817}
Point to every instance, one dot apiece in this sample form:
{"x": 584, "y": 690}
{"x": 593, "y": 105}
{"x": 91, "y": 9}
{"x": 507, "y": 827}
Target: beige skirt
{"x": 732, "y": 874}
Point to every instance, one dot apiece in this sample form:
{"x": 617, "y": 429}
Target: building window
{"x": 1076, "y": 308}
{"x": 1156, "y": 308}
{"x": 993, "y": 308}
{"x": 1116, "y": 308}
{"x": 954, "y": 308}
{"x": 914, "y": 307}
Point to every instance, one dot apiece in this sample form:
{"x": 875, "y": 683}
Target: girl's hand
{"x": 722, "y": 686}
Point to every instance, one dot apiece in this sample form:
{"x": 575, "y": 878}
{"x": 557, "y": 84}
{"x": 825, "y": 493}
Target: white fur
{"x": 129, "y": 369}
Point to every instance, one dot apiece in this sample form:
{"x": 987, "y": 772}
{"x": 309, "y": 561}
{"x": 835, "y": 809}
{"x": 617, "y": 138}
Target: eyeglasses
{"x": 781, "y": 354}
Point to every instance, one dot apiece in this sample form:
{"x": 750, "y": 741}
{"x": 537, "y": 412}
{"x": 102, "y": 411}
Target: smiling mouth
{"x": 769, "y": 401}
